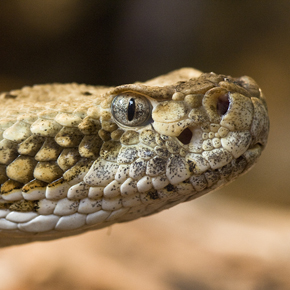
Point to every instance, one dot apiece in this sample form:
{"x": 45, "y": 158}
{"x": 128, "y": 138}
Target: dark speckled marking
{"x": 156, "y": 166}
{"x": 23, "y": 206}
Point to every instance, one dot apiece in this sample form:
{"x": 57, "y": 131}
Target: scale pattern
{"x": 76, "y": 157}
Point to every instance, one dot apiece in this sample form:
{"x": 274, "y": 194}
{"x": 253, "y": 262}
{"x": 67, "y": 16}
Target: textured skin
{"x": 74, "y": 157}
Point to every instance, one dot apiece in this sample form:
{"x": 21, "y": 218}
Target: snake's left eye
{"x": 131, "y": 109}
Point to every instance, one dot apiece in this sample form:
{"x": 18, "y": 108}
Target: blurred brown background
{"x": 236, "y": 238}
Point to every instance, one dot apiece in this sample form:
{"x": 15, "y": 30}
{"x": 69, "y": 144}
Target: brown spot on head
{"x": 87, "y": 94}
{"x": 10, "y": 96}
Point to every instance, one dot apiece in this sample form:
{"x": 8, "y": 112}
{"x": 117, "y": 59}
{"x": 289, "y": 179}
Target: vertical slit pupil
{"x": 131, "y": 109}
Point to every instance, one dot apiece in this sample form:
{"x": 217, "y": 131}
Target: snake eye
{"x": 131, "y": 109}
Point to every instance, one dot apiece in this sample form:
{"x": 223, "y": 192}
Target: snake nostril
{"x": 185, "y": 136}
{"x": 223, "y": 103}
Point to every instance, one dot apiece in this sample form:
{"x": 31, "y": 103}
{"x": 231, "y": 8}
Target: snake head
{"x": 210, "y": 123}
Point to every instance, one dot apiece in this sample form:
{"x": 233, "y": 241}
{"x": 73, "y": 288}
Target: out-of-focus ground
{"x": 209, "y": 244}
{"x": 236, "y": 238}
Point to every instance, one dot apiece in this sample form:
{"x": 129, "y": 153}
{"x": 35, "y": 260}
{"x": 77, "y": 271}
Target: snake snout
{"x": 185, "y": 136}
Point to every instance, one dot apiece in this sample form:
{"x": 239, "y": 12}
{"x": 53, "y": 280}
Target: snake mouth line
{"x": 258, "y": 144}
{"x": 185, "y": 136}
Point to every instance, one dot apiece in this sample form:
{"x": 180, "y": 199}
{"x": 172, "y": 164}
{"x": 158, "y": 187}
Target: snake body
{"x": 76, "y": 157}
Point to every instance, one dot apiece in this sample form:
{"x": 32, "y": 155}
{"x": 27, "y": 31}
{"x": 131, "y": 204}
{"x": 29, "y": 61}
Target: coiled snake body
{"x": 76, "y": 157}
